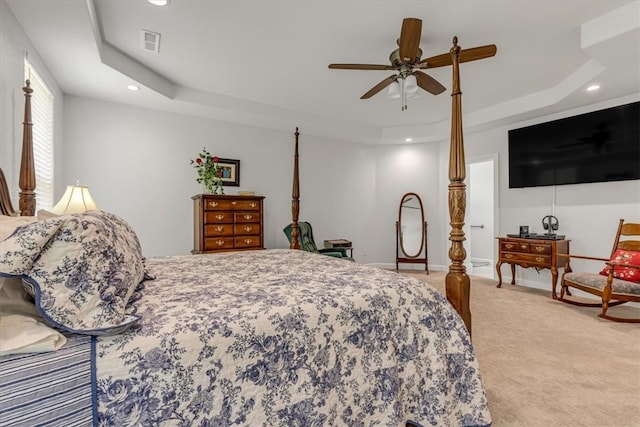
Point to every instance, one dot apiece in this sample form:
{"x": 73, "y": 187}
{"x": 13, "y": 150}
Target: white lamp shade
{"x": 394, "y": 90}
{"x": 76, "y": 199}
{"x": 410, "y": 84}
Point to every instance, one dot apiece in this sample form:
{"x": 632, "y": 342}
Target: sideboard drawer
{"x": 540, "y": 248}
{"x": 510, "y": 246}
{"x": 529, "y": 259}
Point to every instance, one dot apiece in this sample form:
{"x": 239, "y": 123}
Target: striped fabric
{"x": 49, "y": 389}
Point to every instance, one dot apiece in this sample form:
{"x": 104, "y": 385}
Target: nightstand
{"x": 339, "y": 243}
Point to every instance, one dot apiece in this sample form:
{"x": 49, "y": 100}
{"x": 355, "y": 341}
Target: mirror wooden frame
{"x": 421, "y": 257}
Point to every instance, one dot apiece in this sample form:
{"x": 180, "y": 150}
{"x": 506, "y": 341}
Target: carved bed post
{"x": 295, "y": 202}
{"x": 457, "y": 281}
{"x": 27, "y": 181}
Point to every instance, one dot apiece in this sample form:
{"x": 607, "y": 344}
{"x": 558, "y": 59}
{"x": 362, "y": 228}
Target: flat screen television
{"x": 599, "y": 146}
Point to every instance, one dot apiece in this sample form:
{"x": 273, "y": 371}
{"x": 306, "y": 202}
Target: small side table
{"x": 339, "y": 243}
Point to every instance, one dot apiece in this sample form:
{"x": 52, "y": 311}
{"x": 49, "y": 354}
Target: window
{"x": 42, "y": 117}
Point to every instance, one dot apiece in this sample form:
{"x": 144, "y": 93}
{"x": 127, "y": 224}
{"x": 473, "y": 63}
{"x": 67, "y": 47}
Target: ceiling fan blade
{"x": 410, "y": 39}
{"x": 479, "y": 52}
{"x": 428, "y": 83}
{"x": 377, "y": 88}
{"x": 441, "y": 60}
{"x": 360, "y": 67}
{"x": 466, "y": 55}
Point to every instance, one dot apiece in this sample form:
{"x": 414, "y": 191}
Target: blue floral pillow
{"x": 82, "y": 270}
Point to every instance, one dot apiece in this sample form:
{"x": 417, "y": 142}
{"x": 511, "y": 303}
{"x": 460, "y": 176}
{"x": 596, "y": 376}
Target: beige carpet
{"x": 547, "y": 363}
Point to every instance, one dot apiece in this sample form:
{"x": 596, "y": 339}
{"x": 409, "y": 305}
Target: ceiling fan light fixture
{"x": 410, "y": 84}
{"x": 394, "y": 90}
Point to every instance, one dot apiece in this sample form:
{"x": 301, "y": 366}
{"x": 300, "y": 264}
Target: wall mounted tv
{"x": 599, "y": 146}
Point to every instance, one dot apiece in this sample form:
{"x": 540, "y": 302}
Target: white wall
{"x": 136, "y": 162}
{"x": 588, "y": 213}
{"x": 400, "y": 170}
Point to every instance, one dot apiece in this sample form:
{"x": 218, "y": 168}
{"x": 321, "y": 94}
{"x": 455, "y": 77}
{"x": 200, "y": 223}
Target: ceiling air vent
{"x": 150, "y": 40}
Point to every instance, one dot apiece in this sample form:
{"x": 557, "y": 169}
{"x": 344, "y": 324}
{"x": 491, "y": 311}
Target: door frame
{"x": 494, "y": 157}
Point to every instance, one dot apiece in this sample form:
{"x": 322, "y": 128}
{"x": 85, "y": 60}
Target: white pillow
{"x": 24, "y": 334}
{"x": 45, "y": 214}
{"x": 22, "y": 329}
{"x": 15, "y": 300}
{"x": 8, "y": 224}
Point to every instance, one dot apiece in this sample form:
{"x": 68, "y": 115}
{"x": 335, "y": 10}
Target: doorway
{"x": 482, "y": 215}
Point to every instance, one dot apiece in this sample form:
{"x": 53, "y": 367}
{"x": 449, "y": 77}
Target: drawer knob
{"x": 248, "y": 228}
{"x": 248, "y": 241}
{"x": 509, "y": 246}
{"x": 253, "y": 204}
{"x": 219, "y": 217}
{"x": 219, "y": 228}
{"x": 539, "y": 259}
{"x": 523, "y": 246}
{"x": 213, "y": 204}
{"x": 539, "y": 249}
{"x": 248, "y": 216}
{"x": 220, "y": 242}
{"x": 234, "y": 203}
{"x": 508, "y": 256}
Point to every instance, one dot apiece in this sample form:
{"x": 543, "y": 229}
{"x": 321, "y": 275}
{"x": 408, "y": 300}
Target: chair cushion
{"x": 597, "y": 281}
{"x": 625, "y": 273}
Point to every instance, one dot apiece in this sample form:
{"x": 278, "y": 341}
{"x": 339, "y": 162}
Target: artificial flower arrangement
{"x": 209, "y": 172}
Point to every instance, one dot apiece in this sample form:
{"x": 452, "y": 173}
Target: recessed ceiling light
{"x": 159, "y": 2}
{"x": 133, "y": 87}
{"x": 407, "y": 140}
{"x": 593, "y": 87}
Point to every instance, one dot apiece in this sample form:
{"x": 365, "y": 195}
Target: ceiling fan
{"x": 407, "y": 65}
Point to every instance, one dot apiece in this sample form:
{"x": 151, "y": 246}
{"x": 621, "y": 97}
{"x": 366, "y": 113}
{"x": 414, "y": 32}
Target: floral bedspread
{"x": 288, "y": 338}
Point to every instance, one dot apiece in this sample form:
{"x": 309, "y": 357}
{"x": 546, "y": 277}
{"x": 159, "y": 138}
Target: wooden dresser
{"x": 227, "y": 223}
{"x": 531, "y": 252}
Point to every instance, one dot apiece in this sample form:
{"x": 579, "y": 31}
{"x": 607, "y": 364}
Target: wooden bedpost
{"x": 458, "y": 285}
{"x": 27, "y": 181}
{"x": 295, "y": 202}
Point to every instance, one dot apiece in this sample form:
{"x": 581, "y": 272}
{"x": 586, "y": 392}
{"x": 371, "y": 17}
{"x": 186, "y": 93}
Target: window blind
{"x": 42, "y": 130}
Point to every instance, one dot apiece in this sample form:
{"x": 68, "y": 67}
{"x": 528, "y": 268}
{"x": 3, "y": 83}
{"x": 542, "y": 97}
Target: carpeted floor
{"x": 547, "y": 363}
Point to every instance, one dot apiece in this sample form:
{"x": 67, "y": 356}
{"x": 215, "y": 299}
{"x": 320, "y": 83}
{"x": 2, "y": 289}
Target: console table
{"x": 531, "y": 252}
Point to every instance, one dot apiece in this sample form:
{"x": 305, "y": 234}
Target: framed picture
{"x": 230, "y": 172}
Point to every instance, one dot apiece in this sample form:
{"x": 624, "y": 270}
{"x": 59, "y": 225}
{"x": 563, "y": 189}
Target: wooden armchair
{"x": 617, "y": 283}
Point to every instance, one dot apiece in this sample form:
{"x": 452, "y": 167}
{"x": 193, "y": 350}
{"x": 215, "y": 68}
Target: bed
{"x": 279, "y": 337}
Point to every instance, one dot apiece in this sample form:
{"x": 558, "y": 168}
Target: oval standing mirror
{"x": 411, "y": 236}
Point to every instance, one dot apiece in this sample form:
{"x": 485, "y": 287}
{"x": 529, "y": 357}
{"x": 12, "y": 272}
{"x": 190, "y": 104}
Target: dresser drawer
{"x": 214, "y": 230}
{"x": 247, "y": 241}
{"x": 212, "y": 243}
{"x": 247, "y": 228}
{"x": 232, "y": 205}
{"x": 529, "y": 259}
{"x": 218, "y": 217}
{"x": 244, "y": 217}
